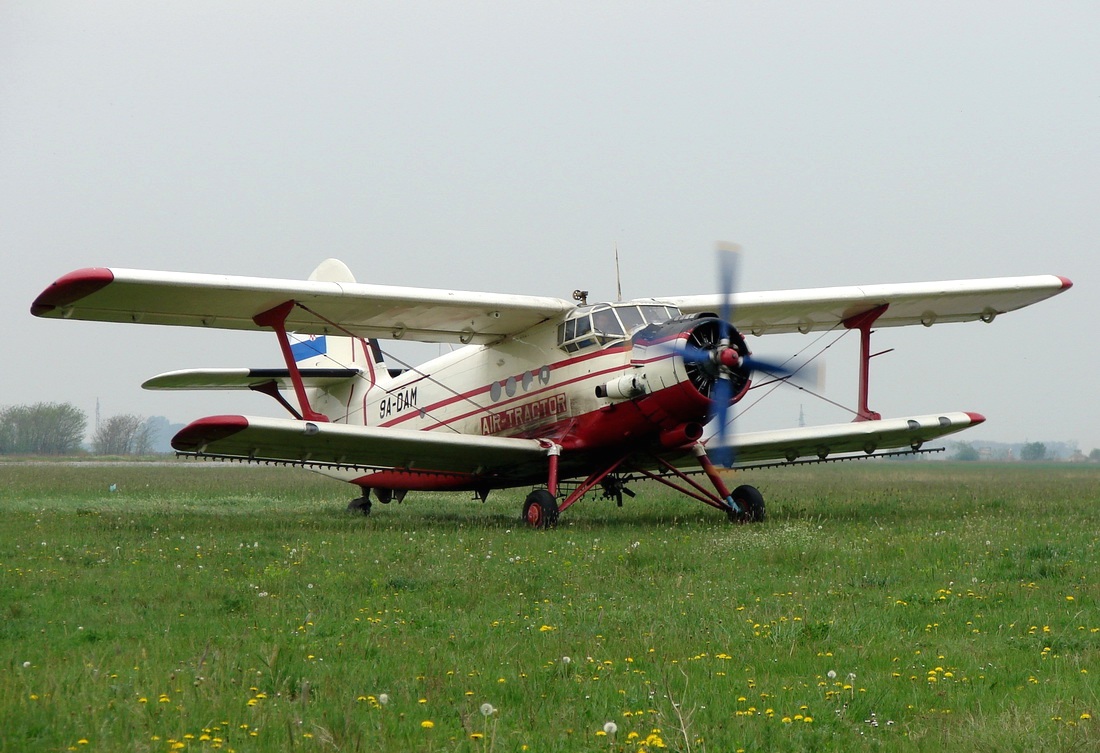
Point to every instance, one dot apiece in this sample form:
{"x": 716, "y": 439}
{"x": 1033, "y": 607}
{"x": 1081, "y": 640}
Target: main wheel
{"x": 751, "y": 502}
{"x": 540, "y": 509}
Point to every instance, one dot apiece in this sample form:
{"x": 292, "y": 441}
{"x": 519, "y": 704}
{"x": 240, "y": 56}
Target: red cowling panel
{"x": 206, "y": 430}
{"x": 71, "y": 288}
{"x": 975, "y": 418}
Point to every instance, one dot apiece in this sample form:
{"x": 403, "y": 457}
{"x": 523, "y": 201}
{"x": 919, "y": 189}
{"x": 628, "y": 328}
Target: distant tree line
{"x": 59, "y": 428}
{"x": 42, "y": 429}
{"x": 1029, "y": 452}
{"x": 125, "y": 434}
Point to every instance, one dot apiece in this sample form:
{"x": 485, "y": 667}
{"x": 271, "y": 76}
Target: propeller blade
{"x": 728, "y": 253}
{"x": 690, "y": 353}
{"x": 722, "y": 394}
{"x": 721, "y": 397}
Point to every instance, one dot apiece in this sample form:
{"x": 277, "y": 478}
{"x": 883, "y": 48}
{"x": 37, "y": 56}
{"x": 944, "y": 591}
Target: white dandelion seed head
{"x": 487, "y": 709}
{"x": 383, "y": 699}
{"x": 831, "y": 674}
{"x": 611, "y": 728}
{"x": 565, "y": 660}
{"x": 26, "y": 665}
{"x": 851, "y": 676}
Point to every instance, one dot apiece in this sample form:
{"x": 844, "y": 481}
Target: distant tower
{"x": 801, "y": 416}
{"x": 97, "y": 415}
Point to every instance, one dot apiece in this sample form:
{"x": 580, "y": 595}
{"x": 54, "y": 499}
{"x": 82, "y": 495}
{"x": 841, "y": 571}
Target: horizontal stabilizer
{"x": 245, "y": 379}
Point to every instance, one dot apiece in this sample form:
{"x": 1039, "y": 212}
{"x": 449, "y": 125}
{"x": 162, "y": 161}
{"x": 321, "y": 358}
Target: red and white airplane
{"x": 547, "y": 393}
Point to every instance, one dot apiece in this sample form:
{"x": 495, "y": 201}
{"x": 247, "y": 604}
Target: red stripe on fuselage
{"x": 484, "y": 390}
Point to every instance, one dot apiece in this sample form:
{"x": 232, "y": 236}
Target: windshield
{"x": 607, "y": 323}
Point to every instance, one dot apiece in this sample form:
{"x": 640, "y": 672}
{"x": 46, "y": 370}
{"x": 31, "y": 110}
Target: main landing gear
{"x": 745, "y": 504}
{"x": 540, "y": 509}
{"x": 751, "y": 502}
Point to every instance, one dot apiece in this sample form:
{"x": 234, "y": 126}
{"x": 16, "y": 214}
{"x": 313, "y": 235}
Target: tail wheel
{"x": 540, "y": 509}
{"x": 751, "y": 502}
{"x": 360, "y": 504}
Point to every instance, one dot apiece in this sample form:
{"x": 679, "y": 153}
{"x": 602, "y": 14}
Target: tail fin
{"x": 338, "y": 351}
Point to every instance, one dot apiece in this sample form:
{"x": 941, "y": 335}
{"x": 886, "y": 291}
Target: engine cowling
{"x": 668, "y": 394}
{"x": 692, "y": 350}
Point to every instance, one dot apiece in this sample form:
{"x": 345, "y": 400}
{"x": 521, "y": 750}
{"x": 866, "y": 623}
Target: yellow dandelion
{"x": 427, "y": 724}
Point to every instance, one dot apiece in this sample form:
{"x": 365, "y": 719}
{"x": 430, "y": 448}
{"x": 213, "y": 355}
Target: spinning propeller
{"x": 722, "y": 361}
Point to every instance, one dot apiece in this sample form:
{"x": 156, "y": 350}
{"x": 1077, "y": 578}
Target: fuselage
{"x": 607, "y": 376}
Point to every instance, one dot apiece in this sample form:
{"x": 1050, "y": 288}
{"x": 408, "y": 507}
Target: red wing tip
{"x": 202, "y": 432}
{"x": 1066, "y": 282}
{"x": 975, "y": 418}
{"x": 71, "y": 288}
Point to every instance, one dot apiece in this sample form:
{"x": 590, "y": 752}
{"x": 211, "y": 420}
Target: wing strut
{"x": 276, "y": 319}
{"x": 271, "y": 389}
{"x": 863, "y": 323}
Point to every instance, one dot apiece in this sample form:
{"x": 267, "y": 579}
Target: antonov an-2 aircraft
{"x": 558, "y": 395}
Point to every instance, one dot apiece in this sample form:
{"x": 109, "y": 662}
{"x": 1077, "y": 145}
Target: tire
{"x": 751, "y": 502}
{"x": 540, "y": 509}
{"x": 360, "y": 504}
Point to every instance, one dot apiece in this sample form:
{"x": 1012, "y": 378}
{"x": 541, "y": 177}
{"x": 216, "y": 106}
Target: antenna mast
{"x": 618, "y": 279}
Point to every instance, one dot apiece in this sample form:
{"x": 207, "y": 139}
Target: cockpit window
{"x": 657, "y": 314}
{"x": 631, "y": 317}
{"x": 607, "y": 326}
{"x": 607, "y": 323}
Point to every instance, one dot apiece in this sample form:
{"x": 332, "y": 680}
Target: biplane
{"x": 561, "y": 396}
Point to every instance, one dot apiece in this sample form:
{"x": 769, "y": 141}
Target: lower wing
{"x": 423, "y": 457}
{"x": 858, "y": 436}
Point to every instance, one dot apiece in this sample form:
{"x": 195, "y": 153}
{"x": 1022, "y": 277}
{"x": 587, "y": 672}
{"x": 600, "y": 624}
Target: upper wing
{"x": 228, "y": 302}
{"x": 924, "y": 303}
{"x": 369, "y": 448}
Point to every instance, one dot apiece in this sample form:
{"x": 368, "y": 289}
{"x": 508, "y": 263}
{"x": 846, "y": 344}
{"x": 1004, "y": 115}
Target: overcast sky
{"x": 511, "y": 147}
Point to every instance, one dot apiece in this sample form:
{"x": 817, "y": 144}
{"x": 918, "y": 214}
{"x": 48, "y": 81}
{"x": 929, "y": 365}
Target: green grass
{"x": 955, "y": 603}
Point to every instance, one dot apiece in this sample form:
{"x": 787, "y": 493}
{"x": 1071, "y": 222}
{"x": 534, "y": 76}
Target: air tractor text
{"x": 528, "y": 413}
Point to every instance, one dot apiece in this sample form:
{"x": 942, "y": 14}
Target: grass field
{"x": 883, "y": 606}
